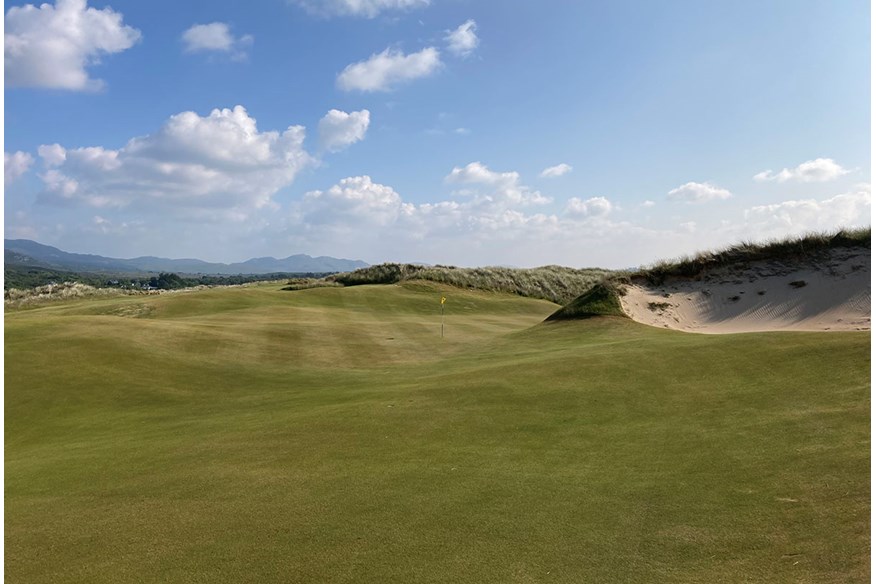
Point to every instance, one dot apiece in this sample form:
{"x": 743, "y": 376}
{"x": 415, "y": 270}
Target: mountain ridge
{"x": 25, "y": 252}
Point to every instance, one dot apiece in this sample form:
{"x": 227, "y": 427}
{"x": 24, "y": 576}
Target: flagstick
{"x": 442, "y": 320}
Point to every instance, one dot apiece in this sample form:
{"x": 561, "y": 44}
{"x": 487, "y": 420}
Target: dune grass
{"x": 331, "y": 435}
{"x": 789, "y": 248}
{"x": 603, "y": 299}
{"x": 555, "y": 283}
{"x": 14, "y": 298}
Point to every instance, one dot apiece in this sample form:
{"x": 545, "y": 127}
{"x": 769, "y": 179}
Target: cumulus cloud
{"x": 476, "y": 172}
{"x": 338, "y": 129}
{"x": 693, "y": 192}
{"x": 358, "y": 199}
{"x": 843, "y": 210}
{"x": 462, "y": 41}
{"x": 52, "y": 45}
{"x": 383, "y": 71}
{"x": 818, "y": 170}
{"x": 502, "y": 188}
{"x": 15, "y": 165}
{"x": 475, "y": 230}
{"x": 216, "y": 37}
{"x": 593, "y": 207}
{"x": 219, "y": 165}
{"x": 363, "y": 8}
{"x": 555, "y": 171}
{"x": 52, "y": 154}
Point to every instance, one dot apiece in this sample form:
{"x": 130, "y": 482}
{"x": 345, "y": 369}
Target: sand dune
{"x": 829, "y": 291}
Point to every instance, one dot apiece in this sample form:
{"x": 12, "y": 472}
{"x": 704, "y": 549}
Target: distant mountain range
{"x": 24, "y": 252}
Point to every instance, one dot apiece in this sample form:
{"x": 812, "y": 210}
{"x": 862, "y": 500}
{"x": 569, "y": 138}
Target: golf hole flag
{"x": 443, "y": 300}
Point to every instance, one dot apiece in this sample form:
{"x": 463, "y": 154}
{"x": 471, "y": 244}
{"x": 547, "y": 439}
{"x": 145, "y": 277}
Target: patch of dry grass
{"x": 16, "y": 298}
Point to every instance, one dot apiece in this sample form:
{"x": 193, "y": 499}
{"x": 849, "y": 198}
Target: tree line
{"x": 23, "y": 278}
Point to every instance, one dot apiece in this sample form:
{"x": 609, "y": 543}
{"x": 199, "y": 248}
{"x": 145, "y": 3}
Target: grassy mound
{"x": 555, "y": 283}
{"x": 601, "y": 300}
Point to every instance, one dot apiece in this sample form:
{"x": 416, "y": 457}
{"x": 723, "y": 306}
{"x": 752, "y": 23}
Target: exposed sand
{"x": 762, "y": 296}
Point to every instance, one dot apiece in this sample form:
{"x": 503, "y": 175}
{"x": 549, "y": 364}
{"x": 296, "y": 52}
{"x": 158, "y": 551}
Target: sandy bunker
{"x": 827, "y": 291}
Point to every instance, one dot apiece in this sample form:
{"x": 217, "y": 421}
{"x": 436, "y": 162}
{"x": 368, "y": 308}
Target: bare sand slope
{"x": 826, "y": 292}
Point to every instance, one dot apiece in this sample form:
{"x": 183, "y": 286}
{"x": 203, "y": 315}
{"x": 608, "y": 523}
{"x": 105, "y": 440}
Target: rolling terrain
{"x": 332, "y": 435}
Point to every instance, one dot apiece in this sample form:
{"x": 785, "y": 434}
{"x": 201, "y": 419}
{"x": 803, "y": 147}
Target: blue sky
{"x": 610, "y": 133}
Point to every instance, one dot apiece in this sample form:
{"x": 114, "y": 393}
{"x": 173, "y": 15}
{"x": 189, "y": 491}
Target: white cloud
{"x": 383, "y": 71}
{"x": 15, "y": 165}
{"x": 206, "y": 167}
{"x": 593, "y": 207}
{"x": 818, "y": 170}
{"x": 648, "y": 204}
{"x": 462, "y": 131}
{"x": 462, "y": 41}
{"x": 555, "y": 171}
{"x": 475, "y": 172}
{"x": 504, "y": 188}
{"x": 844, "y": 210}
{"x": 60, "y": 186}
{"x": 104, "y": 226}
{"x": 216, "y": 37}
{"x": 365, "y": 8}
{"x": 51, "y": 46}
{"x": 356, "y": 199}
{"x": 338, "y": 129}
{"x": 52, "y": 154}
{"x": 698, "y": 193}
{"x": 473, "y": 231}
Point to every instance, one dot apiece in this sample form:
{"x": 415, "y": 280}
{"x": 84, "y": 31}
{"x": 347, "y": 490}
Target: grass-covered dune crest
{"x": 818, "y": 281}
{"x": 800, "y": 248}
{"x": 555, "y": 283}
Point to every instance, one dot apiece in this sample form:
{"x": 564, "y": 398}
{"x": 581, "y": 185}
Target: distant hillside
{"x": 24, "y": 252}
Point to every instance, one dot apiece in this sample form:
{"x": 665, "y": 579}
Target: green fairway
{"x": 331, "y": 435}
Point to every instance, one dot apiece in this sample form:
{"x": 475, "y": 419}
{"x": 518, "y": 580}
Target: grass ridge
{"x": 788, "y": 248}
{"x": 555, "y": 283}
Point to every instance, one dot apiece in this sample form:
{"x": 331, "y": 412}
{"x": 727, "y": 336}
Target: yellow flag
{"x": 443, "y": 300}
